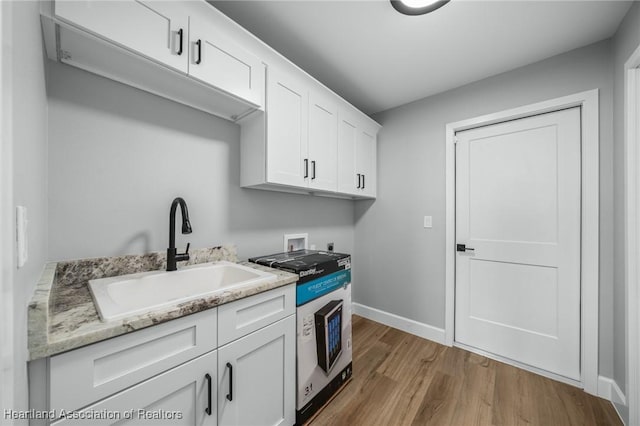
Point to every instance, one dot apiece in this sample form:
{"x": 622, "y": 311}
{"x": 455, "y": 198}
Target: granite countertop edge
{"x": 82, "y": 326}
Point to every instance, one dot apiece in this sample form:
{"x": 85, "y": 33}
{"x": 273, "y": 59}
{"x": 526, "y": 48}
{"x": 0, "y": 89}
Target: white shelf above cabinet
{"x": 86, "y": 35}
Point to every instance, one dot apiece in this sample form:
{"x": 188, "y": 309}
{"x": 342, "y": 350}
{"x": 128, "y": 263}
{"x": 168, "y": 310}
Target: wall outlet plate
{"x": 329, "y": 246}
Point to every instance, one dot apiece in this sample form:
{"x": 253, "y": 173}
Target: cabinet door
{"x": 323, "y": 142}
{"x": 84, "y": 375}
{"x": 348, "y": 180}
{"x": 217, "y": 60}
{"x": 179, "y": 396}
{"x": 366, "y": 161}
{"x": 287, "y": 126}
{"x": 256, "y": 377}
{"x": 155, "y": 29}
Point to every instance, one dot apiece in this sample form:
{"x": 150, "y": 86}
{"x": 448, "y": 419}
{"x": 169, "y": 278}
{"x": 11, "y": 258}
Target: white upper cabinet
{"x": 296, "y": 135}
{"x": 216, "y": 59}
{"x": 301, "y": 134}
{"x": 323, "y": 142}
{"x": 186, "y": 51}
{"x": 304, "y": 143}
{"x": 356, "y": 155}
{"x": 348, "y": 179}
{"x": 287, "y": 124}
{"x": 366, "y": 161}
{"x": 155, "y": 29}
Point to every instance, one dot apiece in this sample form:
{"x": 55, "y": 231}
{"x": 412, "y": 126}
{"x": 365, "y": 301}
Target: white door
{"x": 366, "y": 161}
{"x": 185, "y": 395}
{"x": 256, "y": 377}
{"x": 217, "y": 60}
{"x": 287, "y": 129}
{"x": 347, "y": 141}
{"x": 155, "y": 29}
{"x": 518, "y": 213}
{"x": 323, "y": 143}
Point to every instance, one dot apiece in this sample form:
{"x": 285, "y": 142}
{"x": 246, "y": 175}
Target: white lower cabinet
{"x": 256, "y": 377}
{"x": 185, "y": 395}
{"x": 174, "y": 373}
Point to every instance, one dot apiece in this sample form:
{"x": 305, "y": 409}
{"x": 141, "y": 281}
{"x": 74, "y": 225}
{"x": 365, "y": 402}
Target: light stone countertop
{"x": 62, "y": 315}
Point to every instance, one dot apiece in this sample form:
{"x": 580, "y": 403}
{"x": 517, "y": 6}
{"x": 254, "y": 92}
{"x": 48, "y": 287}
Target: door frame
{"x": 590, "y": 180}
{"x": 7, "y": 345}
{"x": 632, "y": 236}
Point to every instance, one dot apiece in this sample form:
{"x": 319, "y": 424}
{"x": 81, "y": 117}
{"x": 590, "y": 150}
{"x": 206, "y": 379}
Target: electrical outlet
{"x": 329, "y": 246}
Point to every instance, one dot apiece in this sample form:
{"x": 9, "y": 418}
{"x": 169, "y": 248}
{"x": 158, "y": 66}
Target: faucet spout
{"x": 172, "y": 256}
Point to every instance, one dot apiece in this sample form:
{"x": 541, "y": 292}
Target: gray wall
{"x": 29, "y": 121}
{"x": 402, "y": 265}
{"x": 118, "y": 156}
{"x": 625, "y": 42}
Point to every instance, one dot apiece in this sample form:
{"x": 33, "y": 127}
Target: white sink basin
{"x": 134, "y": 294}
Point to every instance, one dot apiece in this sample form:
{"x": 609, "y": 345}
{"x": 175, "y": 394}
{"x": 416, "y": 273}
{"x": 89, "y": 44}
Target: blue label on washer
{"x": 320, "y": 286}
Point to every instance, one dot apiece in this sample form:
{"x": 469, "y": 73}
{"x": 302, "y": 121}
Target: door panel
{"x": 347, "y": 142}
{"x": 523, "y": 165}
{"x": 256, "y": 382}
{"x": 219, "y": 61}
{"x": 522, "y": 289}
{"x": 182, "y": 394}
{"x": 287, "y": 126}
{"x": 366, "y": 161}
{"x": 323, "y": 143}
{"x": 150, "y": 28}
{"x": 518, "y": 207}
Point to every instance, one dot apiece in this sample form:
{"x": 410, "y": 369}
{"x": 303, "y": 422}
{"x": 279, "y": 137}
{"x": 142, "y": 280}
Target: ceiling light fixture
{"x": 417, "y": 7}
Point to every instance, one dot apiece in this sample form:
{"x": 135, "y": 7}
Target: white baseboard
{"x": 609, "y": 389}
{"x": 401, "y": 323}
{"x": 605, "y": 385}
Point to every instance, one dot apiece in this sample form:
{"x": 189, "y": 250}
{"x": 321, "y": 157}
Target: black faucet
{"x": 172, "y": 255}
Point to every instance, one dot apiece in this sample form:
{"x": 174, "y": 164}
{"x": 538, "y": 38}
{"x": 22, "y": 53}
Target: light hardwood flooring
{"x": 401, "y": 379}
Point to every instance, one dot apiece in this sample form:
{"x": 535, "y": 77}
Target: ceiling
{"x": 377, "y": 59}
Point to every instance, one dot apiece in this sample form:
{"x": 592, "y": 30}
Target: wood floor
{"x": 401, "y": 379}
